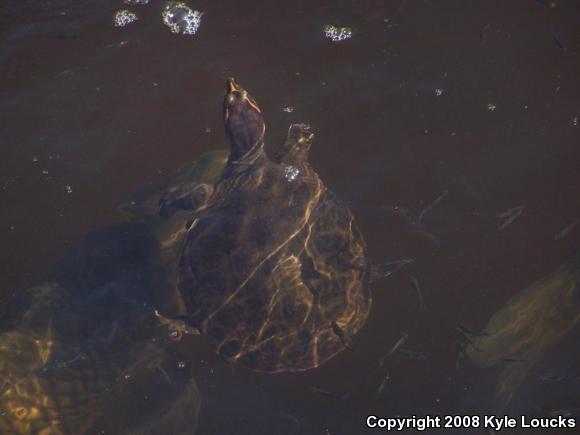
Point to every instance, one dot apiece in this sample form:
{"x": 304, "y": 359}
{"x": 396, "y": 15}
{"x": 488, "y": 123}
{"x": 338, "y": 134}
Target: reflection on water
{"x": 479, "y": 100}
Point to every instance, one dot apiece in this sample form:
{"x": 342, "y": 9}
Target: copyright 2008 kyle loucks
{"x": 490, "y": 422}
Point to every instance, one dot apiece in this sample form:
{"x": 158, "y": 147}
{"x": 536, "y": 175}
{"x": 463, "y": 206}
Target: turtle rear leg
{"x": 190, "y": 196}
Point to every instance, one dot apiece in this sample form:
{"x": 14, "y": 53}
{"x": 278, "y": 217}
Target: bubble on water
{"x": 181, "y": 364}
{"x": 288, "y": 109}
{"x": 127, "y": 376}
{"x": 68, "y": 189}
{"x": 491, "y": 107}
{"x": 575, "y": 121}
{"x": 291, "y": 172}
{"x": 35, "y": 159}
{"x": 438, "y": 92}
{"x": 180, "y": 18}
{"x": 12, "y": 227}
{"x": 45, "y": 172}
{"x": 124, "y": 17}
{"x": 135, "y": 2}
{"x": 337, "y": 33}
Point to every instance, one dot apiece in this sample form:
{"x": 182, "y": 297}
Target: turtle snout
{"x": 232, "y": 86}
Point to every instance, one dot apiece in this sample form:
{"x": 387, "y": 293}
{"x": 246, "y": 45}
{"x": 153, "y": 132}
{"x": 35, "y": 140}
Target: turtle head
{"x": 297, "y": 146}
{"x": 244, "y": 122}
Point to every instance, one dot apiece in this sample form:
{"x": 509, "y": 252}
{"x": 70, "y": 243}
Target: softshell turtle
{"x": 142, "y": 208}
{"x": 531, "y": 323}
{"x": 88, "y": 338}
{"x": 273, "y": 268}
{"x": 53, "y": 381}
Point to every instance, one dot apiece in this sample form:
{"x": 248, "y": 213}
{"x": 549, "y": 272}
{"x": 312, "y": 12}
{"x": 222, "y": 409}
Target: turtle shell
{"x": 54, "y": 381}
{"x": 170, "y": 232}
{"x": 275, "y": 270}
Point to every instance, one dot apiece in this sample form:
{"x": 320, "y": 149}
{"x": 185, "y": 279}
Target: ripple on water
{"x": 136, "y": 2}
{"x": 181, "y": 19}
{"x": 124, "y": 17}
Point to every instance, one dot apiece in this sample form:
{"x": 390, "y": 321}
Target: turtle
{"x": 57, "y": 381}
{"x": 89, "y": 336}
{"x": 142, "y": 208}
{"x": 274, "y": 268}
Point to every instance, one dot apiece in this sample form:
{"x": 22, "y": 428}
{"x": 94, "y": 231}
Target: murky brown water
{"x": 104, "y": 111}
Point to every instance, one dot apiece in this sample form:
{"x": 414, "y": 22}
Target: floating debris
{"x": 337, "y": 33}
{"x": 396, "y": 346}
{"x": 415, "y": 283}
{"x": 288, "y": 109}
{"x": 135, "y": 2}
{"x": 181, "y": 19}
{"x": 124, "y": 17}
{"x": 68, "y": 189}
{"x": 510, "y": 216}
{"x": 406, "y": 213}
{"x": 323, "y": 392}
{"x": 438, "y": 92}
{"x": 383, "y": 383}
{"x": 491, "y": 107}
{"x": 387, "y": 269}
{"x": 558, "y": 40}
{"x": 575, "y": 121}
{"x": 561, "y": 234}
{"x": 35, "y": 159}
{"x": 430, "y": 207}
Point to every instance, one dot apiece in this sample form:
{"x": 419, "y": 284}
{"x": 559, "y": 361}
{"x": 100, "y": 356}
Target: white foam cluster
{"x": 124, "y": 17}
{"x": 181, "y": 19}
{"x": 336, "y": 33}
{"x": 291, "y": 172}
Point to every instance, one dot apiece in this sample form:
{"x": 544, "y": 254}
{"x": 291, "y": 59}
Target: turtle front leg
{"x": 190, "y": 196}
